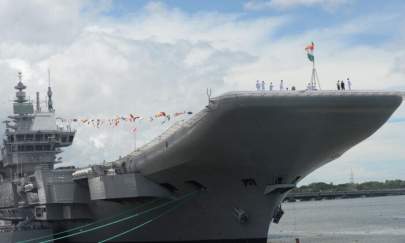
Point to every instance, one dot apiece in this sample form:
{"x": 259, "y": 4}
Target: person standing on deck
{"x": 281, "y": 85}
{"x": 338, "y": 85}
{"x": 342, "y": 85}
{"x": 257, "y": 85}
{"x": 349, "y": 84}
{"x": 263, "y": 86}
{"x": 271, "y": 86}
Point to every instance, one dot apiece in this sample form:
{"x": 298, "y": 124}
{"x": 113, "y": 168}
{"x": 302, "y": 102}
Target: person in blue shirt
{"x": 342, "y": 85}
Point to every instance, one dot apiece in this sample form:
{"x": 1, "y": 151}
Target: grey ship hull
{"x": 21, "y": 235}
{"x": 274, "y": 138}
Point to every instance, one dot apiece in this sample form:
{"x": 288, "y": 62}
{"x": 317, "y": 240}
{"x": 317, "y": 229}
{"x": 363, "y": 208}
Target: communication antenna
{"x": 38, "y": 102}
{"x": 20, "y": 76}
{"x": 50, "y": 103}
{"x": 351, "y": 177}
{"x": 49, "y": 77}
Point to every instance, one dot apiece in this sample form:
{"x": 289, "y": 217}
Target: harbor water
{"x": 371, "y": 220}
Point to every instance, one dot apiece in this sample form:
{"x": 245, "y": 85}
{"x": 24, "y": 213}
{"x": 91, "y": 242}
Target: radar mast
{"x": 50, "y": 103}
{"x": 20, "y": 87}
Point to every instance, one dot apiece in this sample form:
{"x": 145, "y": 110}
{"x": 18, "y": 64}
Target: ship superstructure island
{"x": 219, "y": 176}
{"x": 30, "y": 186}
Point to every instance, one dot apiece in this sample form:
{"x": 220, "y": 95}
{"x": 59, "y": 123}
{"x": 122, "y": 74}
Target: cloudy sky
{"x": 109, "y": 58}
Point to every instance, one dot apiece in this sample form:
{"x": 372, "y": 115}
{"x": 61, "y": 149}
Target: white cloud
{"x": 259, "y": 5}
{"x": 103, "y": 73}
{"x": 380, "y": 158}
{"x": 39, "y": 21}
{"x": 224, "y": 31}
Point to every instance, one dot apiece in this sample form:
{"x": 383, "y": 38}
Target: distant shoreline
{"x": 324, "y": 191}
{"x": 314, "y": 196}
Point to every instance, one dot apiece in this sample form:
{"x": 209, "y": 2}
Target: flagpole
{"x": 313, "y": 64}
{"x": 134, "y": 131}
{"x": 135, "y": 140}
{"x": 313, "y": 75}
{"x": 311, "y": 57}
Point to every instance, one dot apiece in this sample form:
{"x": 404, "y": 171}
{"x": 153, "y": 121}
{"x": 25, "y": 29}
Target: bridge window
{"x": 39, "y": 212}
{"x": 20, "y": 138}
{"x": 70, "y": 138}
{"x": 29, "y": 148}
{"x": 38, "y": 137}
{"x": 64, "y": 138}
{"x": 29, "y": 137}
{"x": 38, "y": 147}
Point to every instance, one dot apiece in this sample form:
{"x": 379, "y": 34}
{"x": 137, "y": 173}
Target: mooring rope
{"x": 92, "y": 223}
{"x": 143, "y": 224}
{"x": 119, "y": 220}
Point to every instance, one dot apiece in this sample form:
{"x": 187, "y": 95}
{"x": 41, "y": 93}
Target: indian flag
{"x": 159, "y": 114}
{"x": 310, "y": 51}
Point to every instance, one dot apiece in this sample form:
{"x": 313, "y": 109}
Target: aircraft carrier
{"x": 219, "y": 176}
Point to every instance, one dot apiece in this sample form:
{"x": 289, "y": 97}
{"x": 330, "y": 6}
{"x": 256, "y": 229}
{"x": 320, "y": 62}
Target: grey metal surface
{"x": 242, "y": 153}
{"x": 8, "y": 192}
{"x": 32, "y": 192}
{"x": 124, "y": 186}
{"x": 22, "y": 235}
{"x": 264, "y": 104}
{"x": 44, "y": 122}
{"x": 272, "y": 138}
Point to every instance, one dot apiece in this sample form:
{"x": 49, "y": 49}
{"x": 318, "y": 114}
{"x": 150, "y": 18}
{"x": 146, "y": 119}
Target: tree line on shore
{"x": 369, "y": 185}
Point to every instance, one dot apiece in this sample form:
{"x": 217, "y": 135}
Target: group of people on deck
{"x": 261, "y": 86}
{"x": 341, "y": 85}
